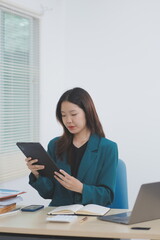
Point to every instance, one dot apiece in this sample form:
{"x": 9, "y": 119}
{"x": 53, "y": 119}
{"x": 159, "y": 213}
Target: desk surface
{"x": 35, "y": 223}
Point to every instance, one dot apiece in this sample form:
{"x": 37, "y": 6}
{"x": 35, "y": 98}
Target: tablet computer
{"x": 36, "y": 151}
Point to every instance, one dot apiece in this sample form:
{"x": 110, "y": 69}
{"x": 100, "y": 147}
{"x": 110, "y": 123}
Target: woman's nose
{"x": 68, "y": 119}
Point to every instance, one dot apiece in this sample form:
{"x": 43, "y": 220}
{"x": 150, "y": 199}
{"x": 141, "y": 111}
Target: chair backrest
{"x": 121, "y": 190}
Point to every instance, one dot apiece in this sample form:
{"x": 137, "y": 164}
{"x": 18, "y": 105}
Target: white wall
{"x": 111, "y": 48}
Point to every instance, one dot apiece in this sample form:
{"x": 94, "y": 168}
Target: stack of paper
{"x": 62, "y": 218}
{"x": 9, "y": 199}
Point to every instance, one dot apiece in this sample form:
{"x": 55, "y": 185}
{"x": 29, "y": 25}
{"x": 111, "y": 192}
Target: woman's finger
{"x": 59, "y": 175}
{"x": 64, "y": 173}
{"x": 31, "y": 162}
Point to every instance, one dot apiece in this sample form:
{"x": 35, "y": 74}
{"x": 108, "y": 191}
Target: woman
{"x": 87, "y": 160}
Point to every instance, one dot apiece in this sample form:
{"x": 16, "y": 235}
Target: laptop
{"x": 146, "y": 207}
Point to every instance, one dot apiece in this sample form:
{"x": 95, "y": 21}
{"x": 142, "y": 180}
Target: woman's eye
{"x": 63, "y": 116}
{"x": 74, "y": 114}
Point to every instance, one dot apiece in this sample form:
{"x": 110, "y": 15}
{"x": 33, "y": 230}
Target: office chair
{"x": 121, "y": 190}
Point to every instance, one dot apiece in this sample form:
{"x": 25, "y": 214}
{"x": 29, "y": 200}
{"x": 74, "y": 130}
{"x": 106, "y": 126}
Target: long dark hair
{"x": 81, "y": 98}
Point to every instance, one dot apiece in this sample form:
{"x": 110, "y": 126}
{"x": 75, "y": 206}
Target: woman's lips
{"x": 71, "y": 127}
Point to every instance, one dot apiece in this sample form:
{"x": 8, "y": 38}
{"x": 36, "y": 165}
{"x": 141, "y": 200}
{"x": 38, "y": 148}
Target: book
{"x": 9, "y": 201}
{"x": 79, "y": 209}
{"x": 14, "y": 211}
{"x": 7, "y": 208}
{"x": 8, "y": 193}
{"x": 62, "y": 218}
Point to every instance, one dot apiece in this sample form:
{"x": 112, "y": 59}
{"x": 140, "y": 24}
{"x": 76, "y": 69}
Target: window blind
{"x": 19, "y": 89}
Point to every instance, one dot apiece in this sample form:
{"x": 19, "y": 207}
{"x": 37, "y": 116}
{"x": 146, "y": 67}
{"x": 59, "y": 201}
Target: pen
{"x": 83, "y": 219}
{"x": 140, "y": 228}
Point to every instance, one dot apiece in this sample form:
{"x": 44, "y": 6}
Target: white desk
{"x": 34, "y": 224}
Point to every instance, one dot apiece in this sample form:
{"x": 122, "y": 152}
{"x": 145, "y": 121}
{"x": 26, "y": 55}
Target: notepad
{"x": 62, "y": 218}
{"x": 78, "y": 209}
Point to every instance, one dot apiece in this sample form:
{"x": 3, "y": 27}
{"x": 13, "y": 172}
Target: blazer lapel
{"x": 88, "y": 157}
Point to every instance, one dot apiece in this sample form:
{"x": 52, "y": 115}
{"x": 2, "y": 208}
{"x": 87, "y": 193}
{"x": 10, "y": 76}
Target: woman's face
{"x": 73, "y": 117}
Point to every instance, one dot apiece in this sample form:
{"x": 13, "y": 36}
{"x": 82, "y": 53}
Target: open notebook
{"x": 146, "y": 207}
{"x": 78, "y": 209}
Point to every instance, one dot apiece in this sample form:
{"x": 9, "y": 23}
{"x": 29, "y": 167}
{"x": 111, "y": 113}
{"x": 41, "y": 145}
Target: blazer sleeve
{"x": 102, "y": 192}
{"x": 43, "y": 185}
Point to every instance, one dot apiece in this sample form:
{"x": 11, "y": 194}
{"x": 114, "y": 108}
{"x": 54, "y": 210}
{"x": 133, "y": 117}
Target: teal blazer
{"x": 97, "y": 172}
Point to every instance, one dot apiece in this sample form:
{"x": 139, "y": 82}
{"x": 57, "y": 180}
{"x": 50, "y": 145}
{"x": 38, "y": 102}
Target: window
{"x": 19, "y": 89}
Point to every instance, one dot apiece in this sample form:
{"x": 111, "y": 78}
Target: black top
{"x": 76, "y": 156}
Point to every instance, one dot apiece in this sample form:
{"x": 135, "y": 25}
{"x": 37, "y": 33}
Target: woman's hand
{"x": 69, "y": 182}
{"x": 34, "y": 168}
